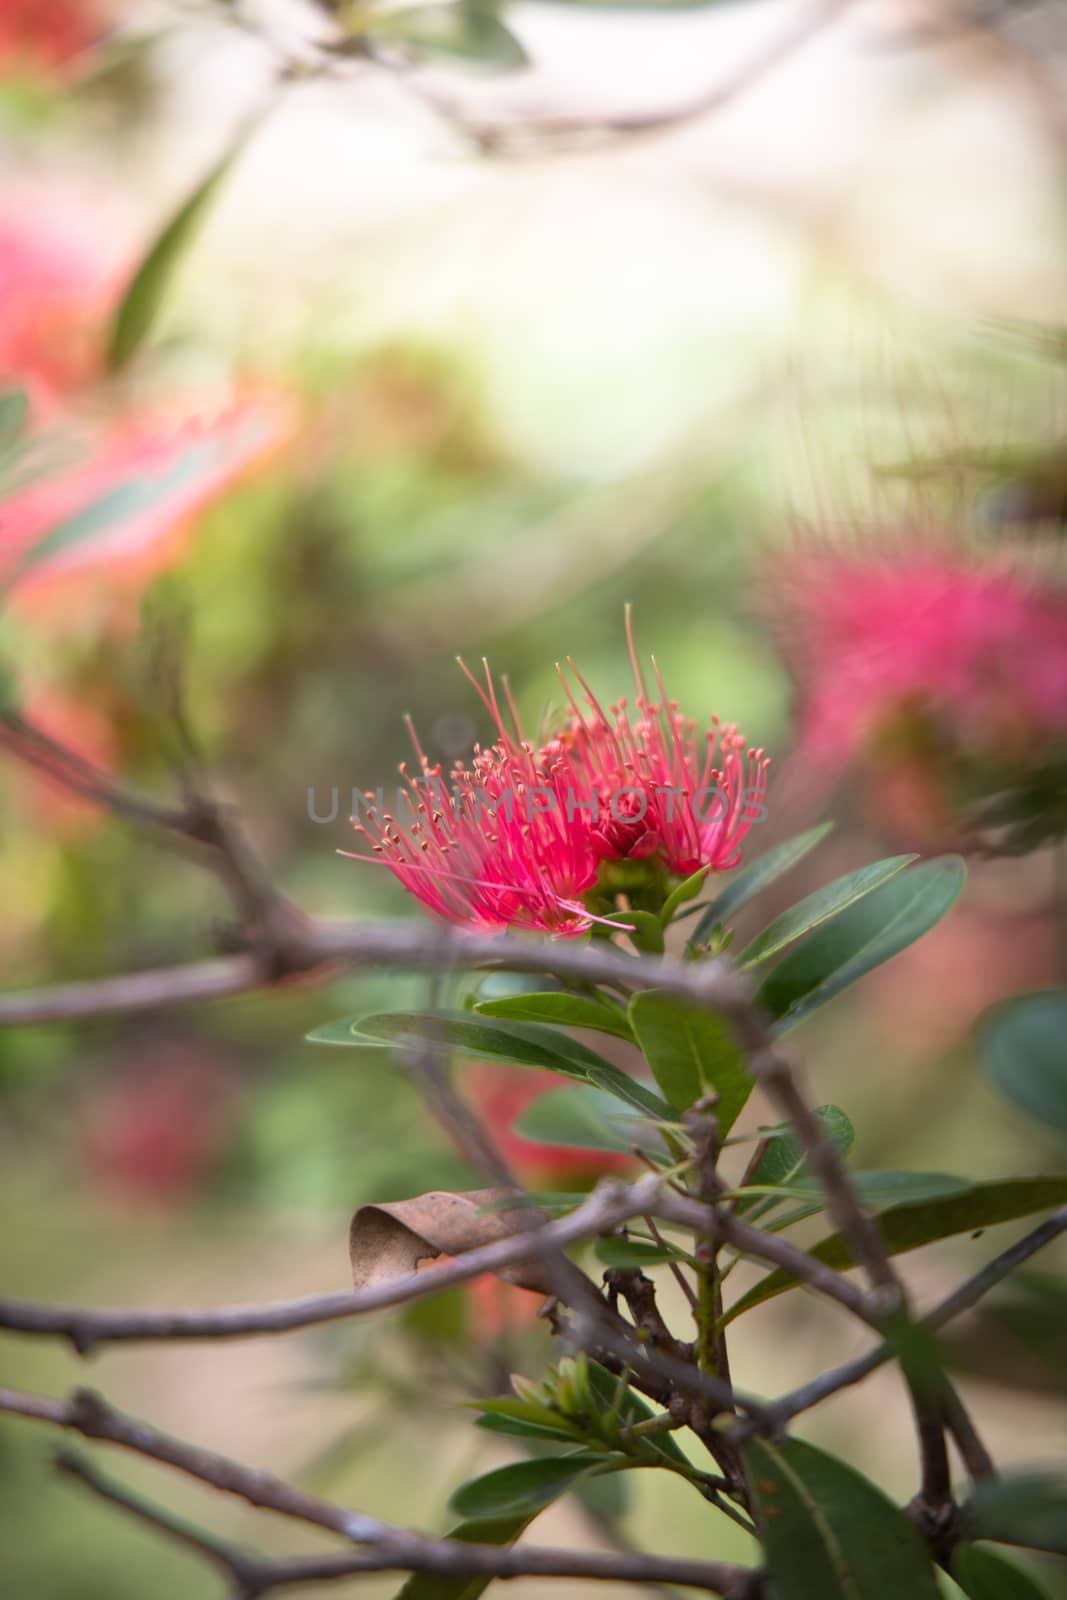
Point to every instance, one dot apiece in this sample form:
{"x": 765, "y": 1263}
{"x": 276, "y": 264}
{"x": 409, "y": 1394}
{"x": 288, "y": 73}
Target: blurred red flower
{"x": 46, "y": 35}
{"x": 501, "y": 1095}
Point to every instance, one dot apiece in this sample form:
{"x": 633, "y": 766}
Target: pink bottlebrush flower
{"x": 659, "y": 791}
{"x": 519, "y": 838}
{"x": 495, "y": 845}
{"x": 975, "y": 649}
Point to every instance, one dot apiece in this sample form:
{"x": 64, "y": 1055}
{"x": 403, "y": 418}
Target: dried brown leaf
{"x": 399, "y": 1237}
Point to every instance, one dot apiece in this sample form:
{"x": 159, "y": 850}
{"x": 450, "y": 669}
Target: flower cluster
{"x": 937, "y": 669}
{"x": 521, "y": 836}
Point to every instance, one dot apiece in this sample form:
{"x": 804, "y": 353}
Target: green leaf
{"x": 518, "y": 1044}
{"x": 646, "y": 931}
{"x": 1023, "y": 1046}
{"x": 756, "y": 877}
{"x": 907, "y": 1227}
{"x": 1028, "y": 1509}
{"x": 985, "y": 1575}
{"x": 870, "y": 932}
{"x": 522, "y": 1489}
{"x": 565, "y": 1010}
{"x": 830, "y": 1534}
{"x": 524, "y": 1419}
{"x": 629, "y": 1408}
{"x": 428, "y": 1586}
{"x": 633, "y": 1253}
{"x": 820, "y": 907}
{"x": 581, "y": 1118}
{"x": 144, "y": 296}
{"x": 879, "y": 1189}
{"x": 691, "y": 1053}
{"x": 784, "y": 1158}
{"x": 688, "y": 889}
{"x": 466, "y": 33}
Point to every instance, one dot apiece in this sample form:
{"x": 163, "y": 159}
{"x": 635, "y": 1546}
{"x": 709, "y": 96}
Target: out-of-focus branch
{"x": 529, "y": 133}
{"x": 387, "y": 1548}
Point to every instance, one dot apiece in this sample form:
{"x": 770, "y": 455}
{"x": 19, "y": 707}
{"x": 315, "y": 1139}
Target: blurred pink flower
{"x": 939, "y": 670}
{"x": 61, "y": 267}
{"x": 112, "y": 489}
{"x": 46, "y": 35}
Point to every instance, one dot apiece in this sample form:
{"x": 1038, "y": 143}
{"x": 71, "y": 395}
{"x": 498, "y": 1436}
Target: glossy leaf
{"x": 830, "y": 1534}
{"x": 581, "y": 1118}
{"x": 820, "y": 907}
{"x": 143, "y": 299}
{"x": 429, "y": 1586}
{"x": 518, "y": 1044}
{"x": 879, "y": 1188}
{"x": 685, "y": 891}
{"x": 1027, "y": 1509}
{"x": 522, "y": 1489}
{"x": 869, "y": 933}
{"x": 1023, "y": 1046}
{"x": 756, "y": 877}
{"x": 565, "y": 1010}
{"x": 984, "y": 1574}
{"x": 617, "y": 1252}
{"x": 465, "y": 33}
{"x": 784, "y": 1158}
{"x": 646, "y": 931}
{"x": 691, "y": 1053}
{"x": 907, "y": 1227}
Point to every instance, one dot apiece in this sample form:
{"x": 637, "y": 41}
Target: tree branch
{"x": 391, "y": 1549}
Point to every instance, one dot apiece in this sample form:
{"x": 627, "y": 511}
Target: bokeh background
{"x": 423, "y": 391}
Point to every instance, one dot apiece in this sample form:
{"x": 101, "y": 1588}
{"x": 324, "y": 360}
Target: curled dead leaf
{"x": 399, "y": 1237}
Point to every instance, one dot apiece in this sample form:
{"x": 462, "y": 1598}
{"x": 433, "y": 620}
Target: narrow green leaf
{"x": 465, "y": 33}
{"x": 907, "y": 1227}
{"x": 687, "y": 890}
{"x": 522, "y": 1489}
{"x": 1027, "y": 1509}
{"x": 581, "y": 1118}
{"x": 820, "y": 907}
{"x": 144, "y": 296}
{"x": 1023, "y": 1046}
{"x": 984, "y": 1574}
{"x": 628, "y": 1407}
{"x": 634, "y": 1253}
{"x": 756, "y": 877}
{"x": 784, "y": 1158}
{"x": 691, "y": 1053}
{"x": 870, "y": 932}
{"x": 428, "y": 1586}
{"x": 518, "y": 1044}
{"x": 646, "y": 931}
{"x": 830, "y": 1534}
{"x": 565, "y": 1010}
{"x": 877, "y": 1189}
